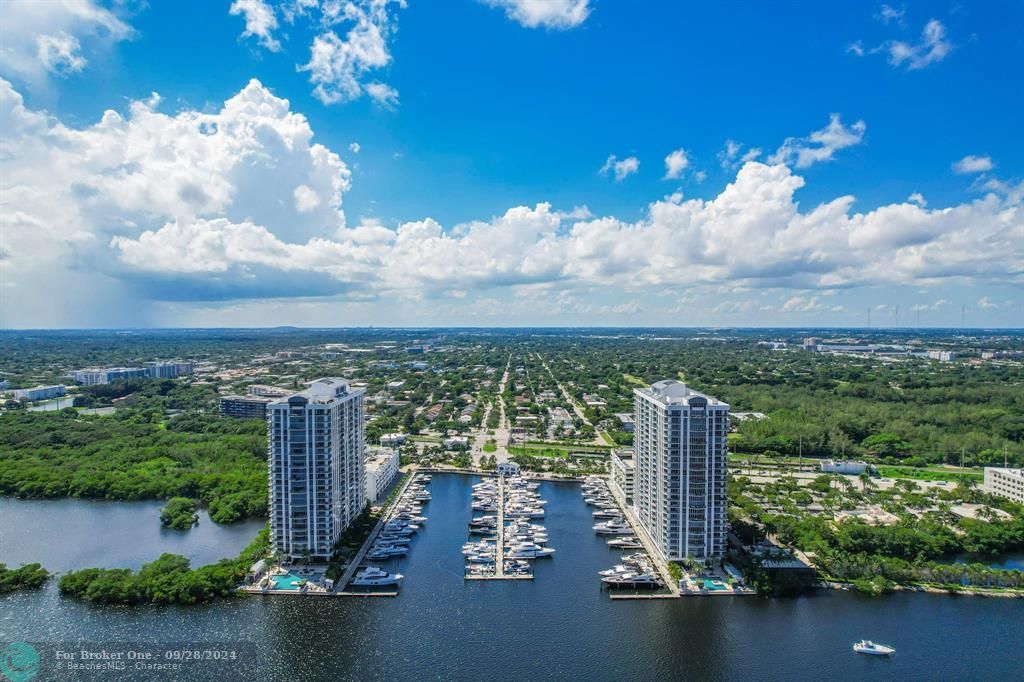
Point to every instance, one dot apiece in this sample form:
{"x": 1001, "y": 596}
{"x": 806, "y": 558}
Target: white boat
{"x": 625, "y": 543}
{"x": 477, "y": 548}
{"x": 528, "y": 551}
{"x": 866, "y": 646}
{"x": 632, "y": 580}
{"x": 389, "y": 550}
{"x": 517, "y": 513}
{"x": 618, "y": 569}
{"x": 373, "y": 576}
{"x": 613, "y": 528}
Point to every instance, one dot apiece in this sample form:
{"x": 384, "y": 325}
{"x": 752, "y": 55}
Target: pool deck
{"x": 695, "y": 588}
{"x": 289, "y": 593}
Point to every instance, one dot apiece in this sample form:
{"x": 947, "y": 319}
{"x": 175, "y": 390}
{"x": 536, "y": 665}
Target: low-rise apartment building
{"x": 381, "y": 470}
{"x": 1008, "y": 483}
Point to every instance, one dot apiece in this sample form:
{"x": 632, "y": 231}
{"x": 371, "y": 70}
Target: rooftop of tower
{"x": 674, "y": 392}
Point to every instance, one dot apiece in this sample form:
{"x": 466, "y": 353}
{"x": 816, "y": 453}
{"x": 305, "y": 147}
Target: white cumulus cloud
{"x": 69, "y": 191}
{"x": 260, "y": 21}
{"x": 973, "y": 164}
{"x": 933, "y": 48}
{"x": 47, "y": 36}
{"x": 241, "y": 203}
{"x": 338, "y": 64}
{"x": 821, "y": 145}
{"x": 888, "y": 14}
{"x": 554, "y": 14}
{"x": 675, "y": 163}
{"x": 620, "y": 168}
{"x": 350, "y": 45}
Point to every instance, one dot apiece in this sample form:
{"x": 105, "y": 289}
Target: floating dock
{"x": 499, "y": 564}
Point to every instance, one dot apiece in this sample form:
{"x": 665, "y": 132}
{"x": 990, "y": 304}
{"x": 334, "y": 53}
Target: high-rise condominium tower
{"x": 680, "y": 454}
{"x": 316, "y": 467}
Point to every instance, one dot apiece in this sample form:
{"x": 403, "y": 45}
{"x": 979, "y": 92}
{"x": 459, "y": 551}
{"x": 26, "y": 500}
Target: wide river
{"x": 559, "y": 626}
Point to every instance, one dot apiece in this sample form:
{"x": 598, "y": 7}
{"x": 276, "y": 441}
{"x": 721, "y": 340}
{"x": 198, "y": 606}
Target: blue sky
{"x": 465, "y": 142}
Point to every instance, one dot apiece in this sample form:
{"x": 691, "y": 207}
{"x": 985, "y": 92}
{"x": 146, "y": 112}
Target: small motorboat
{"x": 866, "y": 646}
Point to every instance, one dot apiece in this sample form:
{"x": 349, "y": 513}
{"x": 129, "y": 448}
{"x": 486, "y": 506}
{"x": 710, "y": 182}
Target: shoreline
{"x": 928, "y": 589}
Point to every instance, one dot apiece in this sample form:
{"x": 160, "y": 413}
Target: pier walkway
{"x": 499, "y": 565}
{"x": 499, "y": 552}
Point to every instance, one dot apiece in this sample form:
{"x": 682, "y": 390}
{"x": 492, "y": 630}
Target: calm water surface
{"x": 559, "y": 626}
{"x": 67, "y": 534}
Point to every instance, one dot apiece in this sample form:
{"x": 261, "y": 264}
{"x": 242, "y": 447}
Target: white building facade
{"x": 381, "y": 470}
{"x": 170, "y": 370}
{"x": 1008, "y": 483}
{"x": 508, "y": 469}
{"x": 316, "y": 467}
{"x": 40, "y": 392}
{"x": 392, "y": 440}
{"x": 624, "y": 473}
{"x": 680, "y": 456}
{"x": 836, "y": 466}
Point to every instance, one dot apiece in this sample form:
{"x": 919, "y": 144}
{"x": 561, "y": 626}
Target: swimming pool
{"x": 289, "y": 581}
{"x": 715, "y": 585}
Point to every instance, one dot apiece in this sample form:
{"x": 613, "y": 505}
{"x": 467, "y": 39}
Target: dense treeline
{"x": 135, "y": 455}
{"x": 912, "y": 540}
{"x": 168, "y": 580}
{"x": 179, "y": 513}
{"x": 874, "y": 573}
{"x": 151, "y": 395}
{"x": 911, "y": 551}
{"x": 24, "y": 577}
{"x": 914, "y": 412}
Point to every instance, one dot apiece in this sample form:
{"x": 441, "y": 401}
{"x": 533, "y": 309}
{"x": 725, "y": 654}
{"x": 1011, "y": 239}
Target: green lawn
{"x": 928, "y": 474}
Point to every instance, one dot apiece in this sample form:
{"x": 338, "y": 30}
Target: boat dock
{"x": 652, "y": 551}
{"x": 499, "y": 564}
{"x": 346, "y": 577}
{"x": 496, "y": 497}
{"x": 499, "y": 541}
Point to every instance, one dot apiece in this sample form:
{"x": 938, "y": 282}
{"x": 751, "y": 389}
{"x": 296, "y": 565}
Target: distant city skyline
{"x": 501, "y": 163}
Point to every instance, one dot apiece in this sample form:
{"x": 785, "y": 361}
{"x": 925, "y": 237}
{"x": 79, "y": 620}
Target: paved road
{"x": 572, "y": 402}
{"x": 501, "y": 433}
